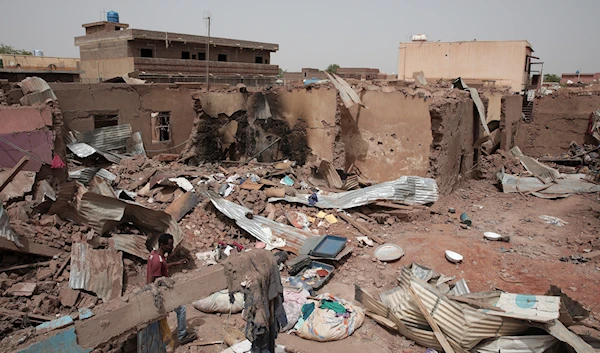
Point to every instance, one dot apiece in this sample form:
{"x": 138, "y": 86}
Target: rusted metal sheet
{"x": 182, "y": 205}
{"x": 97, "y": 270}
{"x": 21, "y": 184}
{"x": 131, "y": 244}
{"x": 102, "y": 187}
{"x": 5, "y": 231}
{"x": 412, "y": 190}
{"x": 274, "y": 234}
{"x": 83, "y": 150}
{"x": 103, "y": 213}
{"x": 330, "y": 174}
{"x": 38, "y": 143}
{"x": 108, "y": 138}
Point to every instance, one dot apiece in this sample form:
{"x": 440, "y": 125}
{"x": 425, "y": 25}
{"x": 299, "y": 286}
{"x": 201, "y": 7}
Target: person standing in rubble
{"x": 158, "y": 267}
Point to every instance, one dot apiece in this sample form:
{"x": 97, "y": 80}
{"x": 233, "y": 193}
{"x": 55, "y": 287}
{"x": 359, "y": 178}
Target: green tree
{"x": 9, "y": 49}
{"x": 332, "y": 68}
{"x": 281, "y": 72}
{"x": 551, "y": 78}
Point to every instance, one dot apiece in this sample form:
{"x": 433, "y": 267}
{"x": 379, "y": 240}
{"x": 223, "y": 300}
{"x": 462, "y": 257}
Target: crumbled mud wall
{"x": 510, "y": 116}
{"x": 133, "y": 105}
{"x": 455, "y": 128}
{"x": 557, "y": 120}
{"x": 390, "y": 138}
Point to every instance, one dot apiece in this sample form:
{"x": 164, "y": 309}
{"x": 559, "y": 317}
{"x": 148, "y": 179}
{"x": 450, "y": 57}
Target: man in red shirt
{"x": 158, "y": 267}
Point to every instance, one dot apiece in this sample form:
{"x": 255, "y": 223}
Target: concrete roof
{"x": 131, "y": 34}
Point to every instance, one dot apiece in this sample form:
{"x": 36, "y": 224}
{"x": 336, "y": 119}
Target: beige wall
{"x": 503, "y": 61}
{"x": 100, "y": 70}
{"x": 391, "y": 138}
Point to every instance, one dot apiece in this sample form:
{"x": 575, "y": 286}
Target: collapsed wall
{"x": 557, "y": 120}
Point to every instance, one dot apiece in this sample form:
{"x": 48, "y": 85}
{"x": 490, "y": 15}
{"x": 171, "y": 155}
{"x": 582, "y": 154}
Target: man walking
{"x": 158, "y": 267}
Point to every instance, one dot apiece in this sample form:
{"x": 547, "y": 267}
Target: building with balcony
{"x": 112, "y": 49}
{"x": 15, "y": 68}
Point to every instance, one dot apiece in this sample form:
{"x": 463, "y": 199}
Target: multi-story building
{"x": 111, "y": 49}
{"x": 15, "y": 68}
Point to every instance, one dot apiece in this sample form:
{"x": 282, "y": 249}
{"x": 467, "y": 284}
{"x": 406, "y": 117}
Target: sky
{"x": 318, "y": 33}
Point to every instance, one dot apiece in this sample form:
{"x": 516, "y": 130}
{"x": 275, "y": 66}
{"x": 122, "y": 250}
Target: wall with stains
{"x": 390, "y": 138}
{"x": 133, "y": 105}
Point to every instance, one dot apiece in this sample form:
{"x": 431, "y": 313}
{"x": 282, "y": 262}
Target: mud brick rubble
{"x": 65, "y": 225}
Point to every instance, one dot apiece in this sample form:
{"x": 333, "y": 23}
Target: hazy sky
{"x": 317, "y": 33}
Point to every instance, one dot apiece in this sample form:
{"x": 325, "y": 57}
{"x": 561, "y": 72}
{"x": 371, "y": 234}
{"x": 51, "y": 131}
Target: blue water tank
{"x": 112, "y": 16}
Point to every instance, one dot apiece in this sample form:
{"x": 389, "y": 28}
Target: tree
{"x": 9, "y": 49}
{"x": 332, "y": 68}
{"x": 551, "y": 78}
{"x": 281, "y": 72}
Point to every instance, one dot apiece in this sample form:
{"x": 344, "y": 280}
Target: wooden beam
{"x": 17, "y": 168}
{"x": 30, "y": 248}
{"x": 140, "y": 309}
{"x": 436, "y": 329}
{"x": 14, "y": 313}
{"x": 360, "y": 228}
{"x": 393, "y": 205}
{"x": 20, "y": 267}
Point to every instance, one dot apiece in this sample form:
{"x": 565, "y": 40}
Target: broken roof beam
{"x": 140, "y": 309}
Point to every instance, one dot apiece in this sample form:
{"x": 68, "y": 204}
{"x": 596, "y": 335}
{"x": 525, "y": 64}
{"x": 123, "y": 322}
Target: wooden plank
{"x": 17, "y": 168}
{"x": 14, "y": 313}
{"x": 20, "y": 267}
{"x": 140, "y": 309}
{"x": 436, "y": 330}
{"x": 360, "y": 228}
{"x": 393, "y": 205}
{"x": 29, "y": 248}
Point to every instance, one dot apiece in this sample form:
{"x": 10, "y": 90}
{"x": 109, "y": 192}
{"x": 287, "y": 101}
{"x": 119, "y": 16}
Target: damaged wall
{"x": 455, "y": 128}
{"x": 80, "y": 103}
{"x": 558, "y": 120}
{"x": 389, "y": 139}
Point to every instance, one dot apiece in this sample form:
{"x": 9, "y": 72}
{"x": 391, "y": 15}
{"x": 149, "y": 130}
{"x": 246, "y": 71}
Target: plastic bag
{"x": 219, "y": 303}
{"x": 325, "y": 325}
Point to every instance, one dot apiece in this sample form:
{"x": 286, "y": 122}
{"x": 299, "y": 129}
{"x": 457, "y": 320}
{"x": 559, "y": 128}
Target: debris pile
{"x": 426, "y": 309}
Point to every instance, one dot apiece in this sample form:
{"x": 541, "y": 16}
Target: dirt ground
{"x": 528, "y": 264}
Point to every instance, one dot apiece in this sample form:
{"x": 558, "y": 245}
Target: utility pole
{"x": 207, "y": 19}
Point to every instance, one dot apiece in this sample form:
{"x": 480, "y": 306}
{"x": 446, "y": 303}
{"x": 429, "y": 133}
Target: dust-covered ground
{"x": 529, "y": 263}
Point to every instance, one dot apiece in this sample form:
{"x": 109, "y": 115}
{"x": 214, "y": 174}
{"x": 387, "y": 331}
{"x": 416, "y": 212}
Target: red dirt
{"x": 530, "y": 267}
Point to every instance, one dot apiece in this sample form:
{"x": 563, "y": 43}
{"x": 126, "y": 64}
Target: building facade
{"x": 111, "y": 49}
{"x": 497, "y": 63}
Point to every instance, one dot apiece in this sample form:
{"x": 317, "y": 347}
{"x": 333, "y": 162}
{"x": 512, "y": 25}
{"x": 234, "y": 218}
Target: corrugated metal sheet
{"x": 108, "y": 138}
{"x": 82, "y": 150}
{"x": 5, "y": 230}
{"x": 97, "y": 270}
{"x": 131, "y": 244}
{"x": 409, "y": 189}
{"x": 460, "y": 288}
{"x": 34, "y": 84}
{"x": 85, "y": 175}
{"x": 347, "y": 93}
{"x": 330, "y": 174}
{"x": 135, "y": 144}
{"x": 517, "y": 344}
{"x": 103, "y": 213}
{"x": 274, "y": 234}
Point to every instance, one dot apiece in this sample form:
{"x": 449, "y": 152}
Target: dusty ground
{"x": 528, "y": 264}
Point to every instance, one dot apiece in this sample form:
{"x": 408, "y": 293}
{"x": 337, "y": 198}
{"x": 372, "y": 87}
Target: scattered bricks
{"x": 25, "y": 289}
{"x": 68, "y": 296}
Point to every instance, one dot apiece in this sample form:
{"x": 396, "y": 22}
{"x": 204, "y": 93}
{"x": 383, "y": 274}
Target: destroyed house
{"x": 110, "y": 49}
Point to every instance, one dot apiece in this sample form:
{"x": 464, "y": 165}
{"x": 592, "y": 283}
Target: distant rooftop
{"x": 126, "y": 33}
{"x": 468, "y": 41}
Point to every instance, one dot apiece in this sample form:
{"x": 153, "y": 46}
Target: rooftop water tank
{"x": 112, "y": 16}
{"x": 419, "y": 38}
{"x": 37, "y": 52}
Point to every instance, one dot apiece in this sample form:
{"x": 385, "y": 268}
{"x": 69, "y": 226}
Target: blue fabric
{"x": 307, "y": 309}
{"x": 181, "y": 324}
{"x": 150, "y": 339}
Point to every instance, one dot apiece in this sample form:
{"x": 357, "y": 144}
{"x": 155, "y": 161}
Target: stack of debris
{"x": 425, "y": 309}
